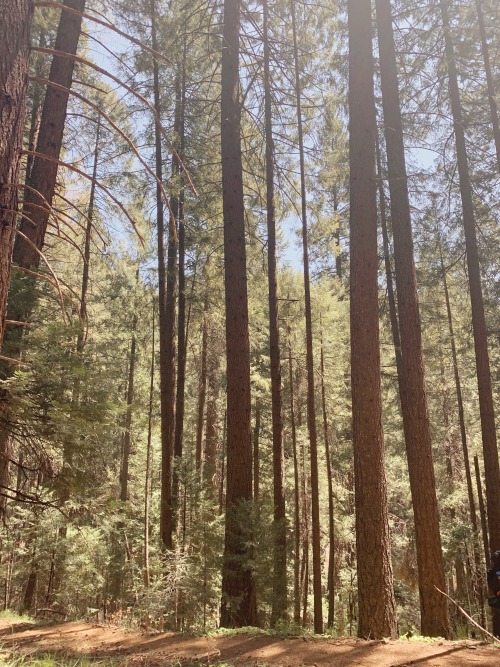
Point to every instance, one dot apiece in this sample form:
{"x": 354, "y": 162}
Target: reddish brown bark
{"x": 167, "y": 405}
{"x": 311, "y": 406}
{"x": 279, "y": 599}
{"x": 238, "y": 606}
{"x": 42, "y": 177}
{"x": 433, "y": 606}
{"x": 14, "y": 57}
{"x": 377, "y": 610}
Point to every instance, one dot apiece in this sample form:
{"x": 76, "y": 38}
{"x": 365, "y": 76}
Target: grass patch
{"x": 13, "y": 617}
{"x": 9, "y": 659}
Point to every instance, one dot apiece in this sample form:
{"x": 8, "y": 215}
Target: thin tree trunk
{"x": 460, "y": 403}
{"x": 433, "y": 606}
{"x": 202, "y": 387}
{"x": 331, "y": 524}
{"x": 482, "y": 511}
{"x": 146, "y": 572}
{"x": 279, "y": 598}
{"x": 181, "y": 323}
{"x": 311, "y": 407}
{"x": 256, "y": 457}
{"x": 490, "y": 451}
{"x": 296, "y": 494}
{"x": 167, "y": 405}
{"x": 304, "y": 571}
{"x": 489, "y": 79}
{"x": 210, "y": 464}
{"x": 238, "y": 606}
{"x": 377, "y": 608}
{"x": 128, "y": 417}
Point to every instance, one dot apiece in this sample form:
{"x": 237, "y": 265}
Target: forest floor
{"x": 84, "y": 643}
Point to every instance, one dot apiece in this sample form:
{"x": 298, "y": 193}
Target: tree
{"x": 42, "y": 177}
{"x": 433, "y": 605}
{"x": 238, "y": 591}
{"x": 279, "y": 610}
{"x": 311, "y": 404}
{"x": 490, "y": 451}
{"x": 14, "y": 58}
{"x": 377, "y": 609}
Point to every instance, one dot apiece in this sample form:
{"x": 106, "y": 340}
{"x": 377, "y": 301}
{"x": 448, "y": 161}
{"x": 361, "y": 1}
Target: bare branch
{"x": 110, "y": 26}
{"x": 42, "y": 156}
{"x": 83, "y": 61}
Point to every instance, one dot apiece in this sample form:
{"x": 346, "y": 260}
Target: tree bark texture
{"x": 377, "y": 609}
{"x": 433, "y": 606}
{"x": 42, "y": 177}
{"x": 238, "y": 589}
{"x": 15, "y": 28}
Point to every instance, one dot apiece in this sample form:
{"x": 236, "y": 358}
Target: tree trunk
{"x": 166, "y": 325}
{"x": 256, "y": 457}
{"x": 296, "y": 494}
{"x": 14, "y": 58}
{"x": 460, "y": 404}
{"x": 433, "y": 605}
{"x": 181, "y": 323}
{"x": 482, "y": 511}
{"x": 486, "y": 408}
{"x": 211, "y": 433}
{"x": 42, "y": 177}
{"x": 491, "y": 465}
{"x": 128, "y": 417}
{"x": 279, "y": 598}
{"x": 311, "y": 407}
{"x": 146, "y": 571}
{"x": 202, "y": 387}
{"x": 377, "y": 608}
{"x": 238, "y": 606}
{"x": 331, "y": 524}
{"x": 489, "y": 79}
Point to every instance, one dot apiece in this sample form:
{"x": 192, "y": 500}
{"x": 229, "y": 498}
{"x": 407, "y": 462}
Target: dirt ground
{"x": 152, "y": 650}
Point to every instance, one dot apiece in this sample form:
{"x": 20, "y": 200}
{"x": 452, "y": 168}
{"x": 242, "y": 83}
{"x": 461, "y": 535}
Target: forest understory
{"x": 87, "y": 645}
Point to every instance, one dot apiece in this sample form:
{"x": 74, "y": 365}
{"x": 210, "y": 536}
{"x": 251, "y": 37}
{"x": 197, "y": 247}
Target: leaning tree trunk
{"x": 238, "y": 606}
{"x": 42, "y": 178}
{"x": 14, "y": 57}
{"x": 311, "y": 406}
{"x": 433, "y": 605}
{"x": 377, "y": 607}
{"x": 489, "y": 79}
{"x": 486, "y": 408}
{"x": 15, "y": 28}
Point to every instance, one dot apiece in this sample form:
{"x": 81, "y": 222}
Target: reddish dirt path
{"x": 153, "y": 650}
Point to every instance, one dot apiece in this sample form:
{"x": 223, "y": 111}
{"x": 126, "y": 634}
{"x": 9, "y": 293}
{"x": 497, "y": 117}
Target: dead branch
{"x": 122, "y": 134}
{"x": 479, "y": 627}
{"x": 106, "y": 24}
{"x": 81, "y": 173}
{"x": 83, "y": 61}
